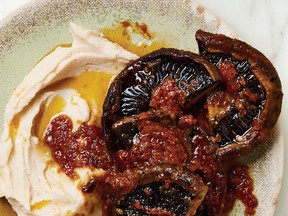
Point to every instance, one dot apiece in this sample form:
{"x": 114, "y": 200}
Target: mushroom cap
{"x": 130, "y": 92}
{"x": 164, "y": 189}
{"x": 256, "y": 79}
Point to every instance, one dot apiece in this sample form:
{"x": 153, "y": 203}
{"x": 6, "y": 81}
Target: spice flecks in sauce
{"x": 240, "y": 185}
{"x": 134, "y": 36}
{"x": 212, "y": 173}
{"x": 155, "y": 144}
{"x": 82, "y": 148}
{"x": 168, "y": 98}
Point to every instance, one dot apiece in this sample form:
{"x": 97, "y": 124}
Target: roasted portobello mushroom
{"x": 243, "y": 111}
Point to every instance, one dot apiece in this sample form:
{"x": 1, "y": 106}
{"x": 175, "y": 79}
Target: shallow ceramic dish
{"x": 29, "y": 33}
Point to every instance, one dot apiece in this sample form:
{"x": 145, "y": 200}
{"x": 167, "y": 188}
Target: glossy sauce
{"x": 40, "y": 205}
{"x": 92, "y": 86}
{"x": 56, "y": 106}
{"x": 240, "y": 185}
{"x": 212, "y": 172}
{"x": 168, "y": 98}
{"x": 82, "y": 148}
{"x": 134, "y": 37}
{"x": 57, "y": 133}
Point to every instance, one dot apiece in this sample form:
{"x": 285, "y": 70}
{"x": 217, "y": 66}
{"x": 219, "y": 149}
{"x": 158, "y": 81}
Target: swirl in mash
{"x": 71, "y": 81}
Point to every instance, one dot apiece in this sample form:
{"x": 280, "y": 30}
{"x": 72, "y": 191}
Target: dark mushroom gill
{"x": 158, "y": 190}
{"x": 253, "y": 86}
{"x": 129, "y": 94}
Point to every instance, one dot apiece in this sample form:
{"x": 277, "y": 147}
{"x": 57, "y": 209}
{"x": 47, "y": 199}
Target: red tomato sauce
{"x": 82, "y": 148}
{"x": 155, "y": 144}
{"x": 240, "y": 185}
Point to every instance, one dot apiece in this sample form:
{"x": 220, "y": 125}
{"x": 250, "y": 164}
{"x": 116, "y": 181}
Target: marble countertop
{"x": 264, "y": 25}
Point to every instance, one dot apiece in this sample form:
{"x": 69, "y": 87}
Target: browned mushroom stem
{"x": 242, "y": 112}
{"x": 188, "y": 75}
{"x": 160, "y": 190}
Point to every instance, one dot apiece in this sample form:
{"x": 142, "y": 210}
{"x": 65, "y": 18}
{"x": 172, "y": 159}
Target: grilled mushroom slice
{"x": 185, "y": 78}
{"x": 242, "y": 112}
{"x": 159, "y": 190}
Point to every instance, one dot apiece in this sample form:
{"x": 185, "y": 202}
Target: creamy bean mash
{"x": 69, "y": 81}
